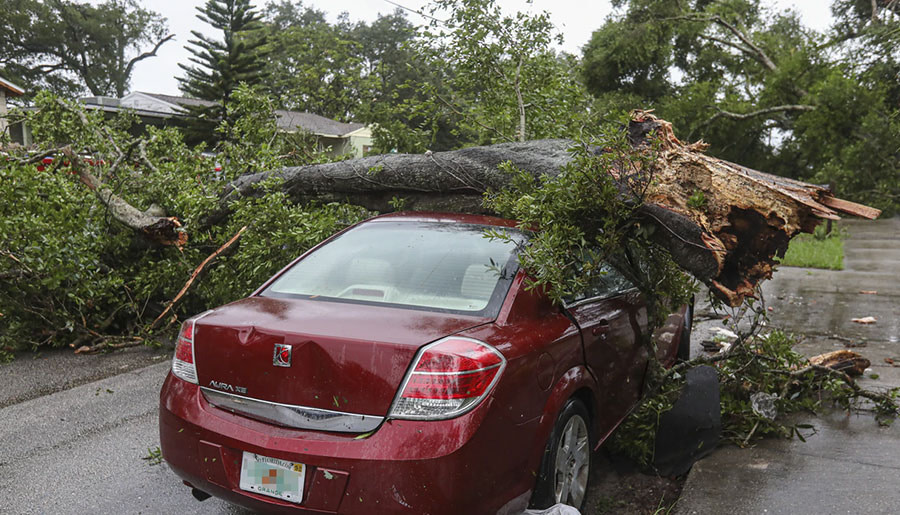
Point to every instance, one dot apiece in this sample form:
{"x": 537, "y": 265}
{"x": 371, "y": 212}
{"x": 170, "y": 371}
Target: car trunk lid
{"x": 344, "y": 357}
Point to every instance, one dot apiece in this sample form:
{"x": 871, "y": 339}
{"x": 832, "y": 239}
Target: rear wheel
{"x": 566, "y": 466}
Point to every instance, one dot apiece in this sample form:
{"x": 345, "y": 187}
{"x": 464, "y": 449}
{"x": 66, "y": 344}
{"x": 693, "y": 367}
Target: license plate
{"x": 273, "y": 477}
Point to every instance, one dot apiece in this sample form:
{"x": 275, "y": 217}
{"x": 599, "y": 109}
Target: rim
{"x": 573, "y": 458}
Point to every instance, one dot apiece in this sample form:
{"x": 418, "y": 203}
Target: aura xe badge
{"x": 282, "y": 357}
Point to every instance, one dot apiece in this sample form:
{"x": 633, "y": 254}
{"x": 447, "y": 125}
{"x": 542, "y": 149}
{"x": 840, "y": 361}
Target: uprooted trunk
{"x": 728, "y": 241}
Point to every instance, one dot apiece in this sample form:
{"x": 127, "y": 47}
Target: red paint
{"x": 344, "y": 357}
{"x": 356, "y": 356}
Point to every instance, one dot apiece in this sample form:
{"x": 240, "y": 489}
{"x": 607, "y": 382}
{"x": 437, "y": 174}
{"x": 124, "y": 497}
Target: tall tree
{"x": 484, "y": 76}
{"x": 506, "y": 79}
{"x": 221, "y": 65}
{"x": 313, "y": 65}
{"x": 70, "y": 47}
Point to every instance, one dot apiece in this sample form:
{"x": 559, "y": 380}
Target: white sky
{"x": 576, "y": 19}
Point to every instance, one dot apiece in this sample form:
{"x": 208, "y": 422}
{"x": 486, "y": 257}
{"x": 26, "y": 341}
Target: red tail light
{"x": 450, "y": 377}
{"x": 183, "y": 365}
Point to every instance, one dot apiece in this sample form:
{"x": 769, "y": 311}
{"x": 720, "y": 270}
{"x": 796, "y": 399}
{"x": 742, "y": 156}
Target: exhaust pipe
{"x": 200, "y": 495}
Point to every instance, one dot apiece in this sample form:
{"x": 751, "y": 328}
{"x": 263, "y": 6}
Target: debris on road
{"x": 865, "y": 320}
{"x": 763, "y": 404}
{"x": 868, "y": 292}
{"x": 853, "y": 363}
{"x": 721, "y": 331}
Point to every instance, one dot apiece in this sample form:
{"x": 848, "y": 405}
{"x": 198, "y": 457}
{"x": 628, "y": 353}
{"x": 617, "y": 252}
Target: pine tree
{"x": 221, "y": 65}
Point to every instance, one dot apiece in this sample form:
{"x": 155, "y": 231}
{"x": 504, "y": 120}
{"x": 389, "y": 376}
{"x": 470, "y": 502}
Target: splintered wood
{"x": 747, "y": 217}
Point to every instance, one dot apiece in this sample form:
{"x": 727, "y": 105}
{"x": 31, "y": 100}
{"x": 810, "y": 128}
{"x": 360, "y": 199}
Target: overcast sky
{"x": 576, "y": 19}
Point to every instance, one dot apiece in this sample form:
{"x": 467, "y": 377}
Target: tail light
{"x": 183, "y": 364}
{"x": 449, "y": 378}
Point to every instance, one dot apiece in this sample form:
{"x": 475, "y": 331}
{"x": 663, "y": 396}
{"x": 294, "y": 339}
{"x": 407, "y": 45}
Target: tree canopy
{"x": 69, "y": 47}
{"x": 763, "y": 89}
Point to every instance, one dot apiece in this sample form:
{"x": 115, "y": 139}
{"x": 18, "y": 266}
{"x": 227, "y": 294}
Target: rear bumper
{"x": 403, "y": 467}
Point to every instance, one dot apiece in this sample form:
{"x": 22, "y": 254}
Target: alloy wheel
{"x": 573, "y": 461}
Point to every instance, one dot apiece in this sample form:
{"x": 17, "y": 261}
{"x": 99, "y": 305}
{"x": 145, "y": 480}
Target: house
{"x": 157, "y": 109}
{"x": 7, "y": 89}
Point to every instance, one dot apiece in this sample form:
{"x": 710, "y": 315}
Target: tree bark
{"x": 159, "y": 229}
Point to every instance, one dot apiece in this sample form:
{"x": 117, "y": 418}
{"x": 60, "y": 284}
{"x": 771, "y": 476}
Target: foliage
{"x": 279, "y": 231}
{"x": 818, "y": 250}
{"x": 587, "y": 216}
{"x": 505, "y": 76}
{"x": 87, "y": 279}
{"x": 68, "y": 46}
{"x": 757, "y": 365}
{"x": 253, "y": 140}
{"x": 312, "y": 65}
{"x": 365, "y": 72}
{"x": 761, "y": 88}
{"x": 477, "y": 77}
{"x": 697, "y": 200}
{"x": 635, "y": 438}
{"x": 490, "y": 78}
{"x": 154, "y": 456}
{"x": 220, "y": 65}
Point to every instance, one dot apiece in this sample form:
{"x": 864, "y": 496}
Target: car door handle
{"x": 600, "y": 329}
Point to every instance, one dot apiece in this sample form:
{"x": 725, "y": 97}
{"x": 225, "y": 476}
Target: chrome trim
{"x": 458, "y": 373}
{"x": 598, "y": 298}
{"x": 287, "y": 415}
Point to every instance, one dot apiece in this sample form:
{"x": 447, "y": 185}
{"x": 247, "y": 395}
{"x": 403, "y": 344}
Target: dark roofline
{"x": 12, "y": 88}
{"x": 286, "y": 120}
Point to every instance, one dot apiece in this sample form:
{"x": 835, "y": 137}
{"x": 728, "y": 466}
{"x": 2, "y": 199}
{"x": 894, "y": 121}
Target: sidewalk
{"x": 850, "y": 464}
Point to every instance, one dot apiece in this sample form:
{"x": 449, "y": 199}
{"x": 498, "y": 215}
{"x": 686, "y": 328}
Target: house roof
{"x": 287, "y": 120}
{"x": 298, "y": 120}
{"x": 11, "y": 88}
{"x": 179, "y": 101}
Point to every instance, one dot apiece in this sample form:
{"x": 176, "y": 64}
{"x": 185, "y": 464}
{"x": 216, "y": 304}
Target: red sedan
{"x": 402, "y": 366}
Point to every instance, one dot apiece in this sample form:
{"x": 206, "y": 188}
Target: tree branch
{"x": 760, "y": 112}
{"x": 742, "y": 49}
{"x": 141, "y": 57}
{"x": 879, "y": 398}
{"x": 760, "y": 55}
{"x": 752, "y": 50}
{"x": 196, "y": 273}
{"x": 162, "y": 230}
{"x": 453, "y": 108}
{"x": 519, "y": 101}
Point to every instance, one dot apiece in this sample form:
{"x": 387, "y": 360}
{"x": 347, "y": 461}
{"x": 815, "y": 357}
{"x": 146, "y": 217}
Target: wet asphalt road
{"x": 849, "y": 464}
{"x": 75, "y": 442}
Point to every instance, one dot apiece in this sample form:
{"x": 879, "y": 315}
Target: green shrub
{"x": 71, "y": 274}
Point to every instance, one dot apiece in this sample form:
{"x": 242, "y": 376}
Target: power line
{"x": 420, "y": 13}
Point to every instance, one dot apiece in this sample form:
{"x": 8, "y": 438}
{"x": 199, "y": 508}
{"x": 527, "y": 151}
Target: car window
{"x": 608, "y": 283}
{"x": 441, "y": 266}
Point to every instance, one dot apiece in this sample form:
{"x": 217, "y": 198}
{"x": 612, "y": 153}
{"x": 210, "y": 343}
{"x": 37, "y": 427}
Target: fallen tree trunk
{"x": 729, "y": 242}
{"x": 722, "y": 222}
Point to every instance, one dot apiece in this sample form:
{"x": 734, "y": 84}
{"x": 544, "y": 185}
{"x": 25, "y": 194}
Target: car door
{"x": 611, "y": 316}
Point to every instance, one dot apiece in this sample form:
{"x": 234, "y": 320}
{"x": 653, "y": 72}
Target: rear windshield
{"x": 435, "y": 266}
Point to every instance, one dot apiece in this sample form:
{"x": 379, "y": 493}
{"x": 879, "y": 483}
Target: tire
{"x": 565, "y": 468}
{"x": 684, "y": 344}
